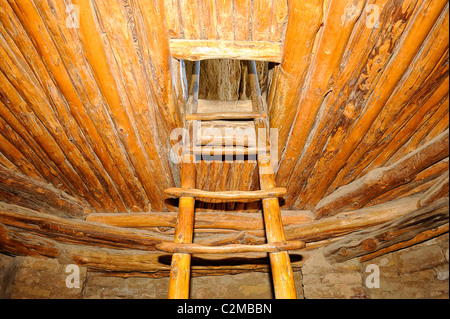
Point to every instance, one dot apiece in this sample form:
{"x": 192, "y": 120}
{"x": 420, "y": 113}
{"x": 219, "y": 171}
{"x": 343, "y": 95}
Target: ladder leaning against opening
{"x": 276, "y": 246}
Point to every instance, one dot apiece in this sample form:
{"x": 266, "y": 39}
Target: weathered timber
{"x": 305, "y": 18}
{"x": 171, "y": 247}
{"x": 438, "y": 190}
{"x": 203, "y": 220}
{"x": 336, "y": 32}
{"x": 387, "y": 234}
{"x": 419, "y": 238}
{"x": 341, "y": 145}
{"x": 226, "y": 195}
{"x": 195, "y": 50}
{"x": 378, "y": 181}
{"x": 21, "y": 190}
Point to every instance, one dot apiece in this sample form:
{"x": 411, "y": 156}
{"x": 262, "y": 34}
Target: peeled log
{"x": 387, "y": 234}
{"x": 380, "y": 180}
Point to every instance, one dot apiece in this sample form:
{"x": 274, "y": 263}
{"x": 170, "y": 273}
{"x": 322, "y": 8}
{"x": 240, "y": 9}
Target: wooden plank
{"x": 212, "y": 106}
{"x": 226, "y": 195}
{"x": 195, "y": 50}
{"x": 210, "y": 151}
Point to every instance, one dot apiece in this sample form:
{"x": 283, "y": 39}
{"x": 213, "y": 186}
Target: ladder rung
{"x": 182, "y": 248}
{"x": 224, "y": 116}
{"x": 226, "y": 195}
{"x": 228, "y": 150}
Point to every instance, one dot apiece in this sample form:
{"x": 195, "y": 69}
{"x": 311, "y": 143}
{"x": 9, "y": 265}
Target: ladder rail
{"x": 283, "y": 277}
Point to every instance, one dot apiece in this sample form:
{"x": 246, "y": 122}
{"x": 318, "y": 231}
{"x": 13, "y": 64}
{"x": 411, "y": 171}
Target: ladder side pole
{"x": 283, "y": 277}
{"x": 181, "y": 263}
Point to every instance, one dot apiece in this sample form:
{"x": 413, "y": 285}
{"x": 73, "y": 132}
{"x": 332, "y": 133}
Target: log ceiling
{"x": 91, "y": 90}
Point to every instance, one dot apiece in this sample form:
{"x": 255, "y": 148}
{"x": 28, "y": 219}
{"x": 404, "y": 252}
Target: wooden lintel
{"x": 226, "y": 195}
{"x": 195, "y": 50}
{"x": 172, "y": 247}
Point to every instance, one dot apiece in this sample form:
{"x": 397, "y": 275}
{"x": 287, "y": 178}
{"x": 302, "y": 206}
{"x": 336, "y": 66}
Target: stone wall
{"x": 420, "y": 271}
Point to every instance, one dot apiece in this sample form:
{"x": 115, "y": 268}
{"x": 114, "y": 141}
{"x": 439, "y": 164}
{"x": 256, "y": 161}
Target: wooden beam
{"x": 304, "y": 105}
{"x": 171, "y": 247}
{"x": 195, "y": 50}
{"x": 419, "y": 238}
{"x": 401, "y": 229}
{"x": 378, "y": 181}
{"x": 24, "y": 191}
{"x": 203, "y": 220}
{"x": 438, "y": 190}
{"x": 305, "y": 19}
{"x": 226, "y": 195}
{"x": 340, "y": 146}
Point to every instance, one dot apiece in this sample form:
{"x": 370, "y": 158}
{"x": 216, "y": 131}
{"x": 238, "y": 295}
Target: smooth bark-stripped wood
{"x": 134, "y": 79}
{"x": 369, "y": 51}
{"x": 226, "y": 195}
{"x": 427, "y": 71}
{"x": 93, "y": 45}
{"x": 401, "y": 229}
{"x": 378, "y": 181}
{"x": 305, "y": 18}
{"x": 340, "y": 147}
{"x": 71, "y": 230}
{"x": 195, "y": 50}
{"x": 124, "y": 262}
{"x": 337, "y": 29}
{"x": 66, "y": 40}
{"x": 21, "y": 190}
{"x": 171, "y": 247}
{"x": 184, "y": 231}
{"x": 203, "y": 220}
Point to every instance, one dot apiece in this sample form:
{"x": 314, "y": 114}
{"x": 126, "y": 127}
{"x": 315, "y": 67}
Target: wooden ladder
{"x": 182, "y": 247}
